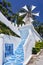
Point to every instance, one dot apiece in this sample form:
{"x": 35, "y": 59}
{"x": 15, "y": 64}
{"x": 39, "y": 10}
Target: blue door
{"x": 8, "y": 49}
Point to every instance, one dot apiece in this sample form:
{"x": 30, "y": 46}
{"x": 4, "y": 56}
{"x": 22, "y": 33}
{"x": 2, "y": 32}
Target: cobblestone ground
{"x": 38, "y": 60}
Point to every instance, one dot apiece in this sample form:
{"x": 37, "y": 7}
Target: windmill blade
{"x": 36, "y": 14}
{"x": 25, "y": 7}
{"x": 33, "y": 7}
{"x": 21, "y": 14}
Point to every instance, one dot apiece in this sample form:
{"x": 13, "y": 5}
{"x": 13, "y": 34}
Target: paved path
{"x": 37, "y": 60}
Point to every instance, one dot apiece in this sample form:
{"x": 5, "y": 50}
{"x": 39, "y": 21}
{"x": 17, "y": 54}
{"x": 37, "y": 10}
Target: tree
{"x": 5, "y": 8}
{"x": 39, "y": 28}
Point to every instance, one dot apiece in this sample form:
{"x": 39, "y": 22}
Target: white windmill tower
{"x": 28, "y": 19}
{"x": 33, "y": 36}
{"x": 28, "y": 12}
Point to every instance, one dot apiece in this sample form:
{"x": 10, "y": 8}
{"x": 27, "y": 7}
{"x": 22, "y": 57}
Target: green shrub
{"x": 35, "y": 50}
{"x": 38, "y": 46}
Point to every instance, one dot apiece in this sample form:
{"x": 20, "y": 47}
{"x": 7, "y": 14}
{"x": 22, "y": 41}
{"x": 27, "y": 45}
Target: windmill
{"x": 28, "y": 12}
{"x": 32, "y": 36}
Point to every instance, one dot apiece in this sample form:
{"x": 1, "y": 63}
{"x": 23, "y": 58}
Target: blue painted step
{"x": 18, "y": 57}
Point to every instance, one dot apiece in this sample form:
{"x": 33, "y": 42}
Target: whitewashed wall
{"x": 1, "y": 49}
{"x": 10, "y": 40}
{"x": 28, "y": 47}
{"x": 30, "y": 43}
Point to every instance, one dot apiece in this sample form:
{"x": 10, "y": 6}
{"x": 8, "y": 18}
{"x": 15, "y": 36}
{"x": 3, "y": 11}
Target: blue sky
{"x": 17, "y": 4}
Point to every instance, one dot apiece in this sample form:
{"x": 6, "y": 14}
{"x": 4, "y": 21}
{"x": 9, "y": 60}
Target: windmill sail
{"x": 29, "y": 14}
{"x": 25, "y": 7}
{"x": 33, "y": 7}
{"x": 20, "y": 14}
{"x": 35, "y": 14}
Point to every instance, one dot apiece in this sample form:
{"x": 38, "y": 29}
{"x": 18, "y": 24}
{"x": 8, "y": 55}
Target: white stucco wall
{"x": 33, "y": 36}
{"x": 29, "y": 43}
{"x": 9, "y": 40}
{"x": 12, "y": 40}
{"x": 1, "y": 50}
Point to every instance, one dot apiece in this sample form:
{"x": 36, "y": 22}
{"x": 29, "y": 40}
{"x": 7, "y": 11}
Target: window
{"x": 8, "y": 49}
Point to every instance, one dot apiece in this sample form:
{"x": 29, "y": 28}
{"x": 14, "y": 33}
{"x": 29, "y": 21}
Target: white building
{"x": 14, "y": 50}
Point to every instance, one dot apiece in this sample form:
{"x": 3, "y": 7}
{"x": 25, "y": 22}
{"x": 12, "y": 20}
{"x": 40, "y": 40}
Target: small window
{"x": 8, "y": 49}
